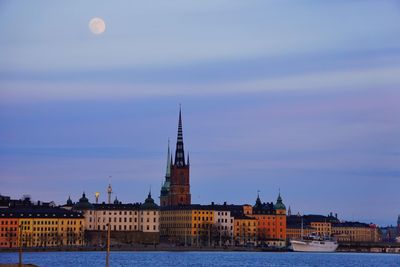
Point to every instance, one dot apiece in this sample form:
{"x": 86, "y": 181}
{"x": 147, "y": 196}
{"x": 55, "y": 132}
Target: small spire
{"x": 258, "y": 200}
{"x": 149, "y": 196}
{"x": 169, "y": 158}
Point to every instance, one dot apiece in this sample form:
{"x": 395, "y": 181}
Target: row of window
{"x": 202, "y": 218}
{"x": 121, "y": 220}
{"x": 224, "y": 220}
{"x": 52, "y": 222}
{"x": 8, "y": 229}
{"x": 125, "y": 228}
{"x": 6, "y": 222}
{"x": 123, "y": 212}
{"x": 2, "y": 244}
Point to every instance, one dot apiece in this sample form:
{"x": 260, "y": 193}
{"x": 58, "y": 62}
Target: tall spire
{"x": 179, "y": 152}
{"x": 169, "y": 158}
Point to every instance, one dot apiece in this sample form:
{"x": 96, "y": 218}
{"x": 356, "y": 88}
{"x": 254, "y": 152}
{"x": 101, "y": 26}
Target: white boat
{"x": 314, "y": 243}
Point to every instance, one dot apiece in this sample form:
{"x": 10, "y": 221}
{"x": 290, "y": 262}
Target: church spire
{"x": 169, "y": 158}
{"x": 179, "y": 152}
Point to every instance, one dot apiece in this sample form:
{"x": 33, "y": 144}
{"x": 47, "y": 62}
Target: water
{"x": 242, "y": 259}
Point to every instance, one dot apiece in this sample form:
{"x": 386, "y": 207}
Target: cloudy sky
{"x": 301, "y": 96}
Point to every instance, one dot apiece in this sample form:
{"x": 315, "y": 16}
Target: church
{"x": 176, "y": 187}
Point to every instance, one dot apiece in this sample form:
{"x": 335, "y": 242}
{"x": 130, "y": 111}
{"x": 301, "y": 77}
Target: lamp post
{"x": 108, "y": 245}
{"x": 20, "y": 246}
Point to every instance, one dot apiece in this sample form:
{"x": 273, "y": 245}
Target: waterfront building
{"x": 176, "y": 187}
{"x": 131, "y": 222}
{"x": 39, "y": 226}
{"x": 245, "y": 230}
{"x": 295, "y": 229}
{"x": 355, "y": 232}
{"x": 318, "y": 224}
{"x": 271, "y": 221}
{"x": 197, "y": 224}
{"x": 224, "y": 223}
{"x": 8, "y": 231}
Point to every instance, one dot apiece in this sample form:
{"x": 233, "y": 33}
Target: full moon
{"x": 97, "y": 25}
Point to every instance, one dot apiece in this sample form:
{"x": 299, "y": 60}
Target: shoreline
{"x": 188, "y": 249}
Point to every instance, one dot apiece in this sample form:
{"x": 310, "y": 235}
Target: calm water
{"x": 242, "y": 259}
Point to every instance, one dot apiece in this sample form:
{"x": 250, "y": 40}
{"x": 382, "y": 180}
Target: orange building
{"x": 271, "y": 221}
{"x": 8, "y": 232}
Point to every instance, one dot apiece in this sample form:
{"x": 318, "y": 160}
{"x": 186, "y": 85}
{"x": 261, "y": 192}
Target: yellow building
{"x": 196, "y": 225}
{"x": 245, "y": 230}
{"x": 176, "y": 224}
{"x": 317, "y": 224}
{"x": 47, "y": 227}
{"x": 322, "y": 228}
{"x": 295, "y": 232}
{"x": 356, "y": 232}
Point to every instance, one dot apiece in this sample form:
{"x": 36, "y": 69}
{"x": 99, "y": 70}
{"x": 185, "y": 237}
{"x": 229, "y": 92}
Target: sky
{"x": 300, "y": 97}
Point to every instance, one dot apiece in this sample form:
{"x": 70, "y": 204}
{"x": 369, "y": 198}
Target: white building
{"x": 223, "y": 221}
{"x": 134, "y": 218}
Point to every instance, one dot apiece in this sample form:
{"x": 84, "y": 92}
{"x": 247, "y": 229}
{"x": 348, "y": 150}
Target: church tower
{"x": 176, "y": 188}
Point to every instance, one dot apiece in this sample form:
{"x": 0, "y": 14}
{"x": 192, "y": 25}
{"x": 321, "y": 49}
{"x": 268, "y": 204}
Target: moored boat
{"x": 314, "y": 243}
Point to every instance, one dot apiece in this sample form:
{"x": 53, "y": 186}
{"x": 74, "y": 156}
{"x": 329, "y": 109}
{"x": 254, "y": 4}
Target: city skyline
{"x": 275, "y": 95}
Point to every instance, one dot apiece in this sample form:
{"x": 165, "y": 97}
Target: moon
{"x": 97, "y": 25}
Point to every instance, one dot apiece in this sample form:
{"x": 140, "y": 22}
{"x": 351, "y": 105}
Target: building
{"x": 271, "y": 221}
{"x": 176, "y": 187}
{"x": 296, "y": 228}
{"x": 129, "y": 223}
{"x": 245, "y": 230}
{"x": 355, "y": 232}
{"x": 9, "y": 230}
{"x": 223, "y": 223}
{"x": 38, "y": 226}
{"x": 197, "y": 225}
{"x": 318, "y": 224}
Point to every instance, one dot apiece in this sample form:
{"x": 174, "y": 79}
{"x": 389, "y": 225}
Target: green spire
{"x": 279, "y": 203}
{"x": 168, "y": 170}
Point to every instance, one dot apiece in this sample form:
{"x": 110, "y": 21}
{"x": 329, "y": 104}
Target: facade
{"x": 41, "y": 227}
{"x": 176, "y": 187}
{"x": 318, "y": 224}
{"x": 134, "y": 222}
{"x": 331, "y": 226}
{"x": 245, "y": 230}
{"x": 197, "y": 225}
{"x": 271, "y": 220}
{"x": 356, "y": 232}
{"x": 224, "y": 223}
{"x": 9, "y": 231}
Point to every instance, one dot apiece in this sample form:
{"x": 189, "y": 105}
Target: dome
{"x": 279, "y": 204}
{"x": 149, "y": 203}
{"x": 83, "y": 203}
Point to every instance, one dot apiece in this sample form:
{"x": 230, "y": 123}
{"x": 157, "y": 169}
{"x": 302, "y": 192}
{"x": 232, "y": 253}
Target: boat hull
{"x": 314, "y": 246}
